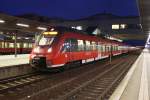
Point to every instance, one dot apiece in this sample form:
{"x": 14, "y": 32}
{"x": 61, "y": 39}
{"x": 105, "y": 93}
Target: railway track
{"x": 100, "y": 87}
{"x": 74, "y": 89}
{"x": 20, "y": 81}
{"x": 80, "y": 83}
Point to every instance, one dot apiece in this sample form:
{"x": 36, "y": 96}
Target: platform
{"x": 10, "y": 60}
{"x": 136, "y": 84}
{"x": 11, "y": 66}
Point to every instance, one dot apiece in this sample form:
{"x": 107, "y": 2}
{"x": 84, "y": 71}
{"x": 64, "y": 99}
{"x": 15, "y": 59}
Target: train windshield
{"x": 44, "y": 40}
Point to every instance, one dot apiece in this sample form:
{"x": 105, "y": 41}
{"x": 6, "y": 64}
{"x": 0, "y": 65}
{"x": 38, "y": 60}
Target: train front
{"x": 42, "y": 53}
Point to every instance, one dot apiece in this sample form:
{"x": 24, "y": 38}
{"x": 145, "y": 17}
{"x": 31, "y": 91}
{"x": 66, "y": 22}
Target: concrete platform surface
{"x": 10, "y": 60}
{"x": 136, "y": 84}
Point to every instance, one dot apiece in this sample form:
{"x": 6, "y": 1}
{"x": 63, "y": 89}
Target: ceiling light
{"x": 22, "y": 25}
{"x": 2, "y": 21}
{"x": 42, "y": 28}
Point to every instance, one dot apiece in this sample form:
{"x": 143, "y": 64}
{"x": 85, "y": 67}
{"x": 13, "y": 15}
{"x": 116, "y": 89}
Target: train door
{"x": 74, "y": 49}
{"x": 68, "y": 50}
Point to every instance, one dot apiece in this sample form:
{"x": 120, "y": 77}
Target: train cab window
{"x": 80, "y": 45}
{"x": 88, "y": 45}
{"x": 46, "y": 38}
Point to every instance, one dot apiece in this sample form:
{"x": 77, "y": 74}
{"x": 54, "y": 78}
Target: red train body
{"x": 56, "y": 48}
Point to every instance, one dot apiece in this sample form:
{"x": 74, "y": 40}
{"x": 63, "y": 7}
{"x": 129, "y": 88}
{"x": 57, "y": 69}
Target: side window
{"x": 11, "y": 45}
{"x": 30, "y": 45}
{"x": 2, "y": 44}
{"x": 6, "y": 44}
{"x": 18, "y": 45}
{"x": 25, "y": 45}
{"x": 66, "y": 46}
{"x": 117, "y": 47}
{"x": 74, "y": 45}
{"x": 98, "y": 46}
{"x": 93, "y": 45}
{"x": 112, "y": 47}
{"x": 104, "y": 49}
{"x": 88, "y": 45}
{"x": 109, "y": 48}
{"x": 80, "y": 45}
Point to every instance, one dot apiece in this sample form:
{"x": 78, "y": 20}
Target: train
{"x": 7, "y": 46}
{"x": 59, "y": 46}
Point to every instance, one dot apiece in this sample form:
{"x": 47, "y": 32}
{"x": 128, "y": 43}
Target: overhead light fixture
{"x": 18, "y": 37}
{"x": 27, "y": 38}
{"x": 2, "y": 21}
{"x": 73, "y": 27}
{"x": 42, "y": 28}
{"x": 115, "y": 26}
{"x": 22, "y": 25}
{"x": 113, "y": 38}
{"x": 79, "y": 27}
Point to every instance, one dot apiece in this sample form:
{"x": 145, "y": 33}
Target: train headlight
{"x": 49, "y": 50}
{"x": 36, "y": 50}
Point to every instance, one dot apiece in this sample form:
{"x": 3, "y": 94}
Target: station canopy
{"x": 144, "y": 7}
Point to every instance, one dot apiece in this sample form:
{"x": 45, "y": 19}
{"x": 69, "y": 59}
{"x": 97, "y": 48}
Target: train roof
{"x": 62, "y": 29}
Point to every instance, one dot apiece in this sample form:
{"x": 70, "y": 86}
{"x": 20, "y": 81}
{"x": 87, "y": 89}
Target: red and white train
{"x": 7, "y": 47}
{"x": 59, "y": 46}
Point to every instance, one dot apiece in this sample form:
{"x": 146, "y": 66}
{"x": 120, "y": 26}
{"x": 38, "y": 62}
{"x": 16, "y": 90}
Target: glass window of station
{"x": 118, "y": 26}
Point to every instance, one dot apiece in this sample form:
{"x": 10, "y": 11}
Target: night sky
{"x": 69, "y": 9}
